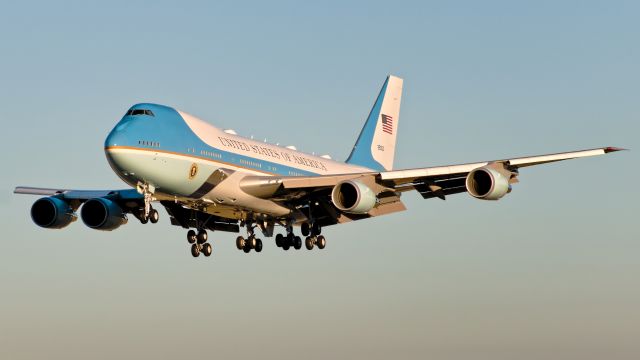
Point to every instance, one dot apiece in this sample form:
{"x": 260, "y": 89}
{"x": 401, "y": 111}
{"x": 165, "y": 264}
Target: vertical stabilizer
{"x": 376, "y": 145}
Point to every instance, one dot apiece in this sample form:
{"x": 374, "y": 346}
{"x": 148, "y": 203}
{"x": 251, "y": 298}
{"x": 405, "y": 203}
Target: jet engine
{"x": 487, "y": 183}
{"x": 52, "y": 213}
{"x": 352, "y": 196}
{"x": 102, "y": 214}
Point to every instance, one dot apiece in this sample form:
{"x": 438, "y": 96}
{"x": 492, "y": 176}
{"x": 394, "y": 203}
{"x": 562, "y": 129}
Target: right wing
{"x": 430, "y": 182}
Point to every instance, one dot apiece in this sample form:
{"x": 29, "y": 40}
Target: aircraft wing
{"x": 444, "y": 180}
{"x": 127, "y": 194}
{"x": 128, "y": 199}
{"x": 430, "y": 182}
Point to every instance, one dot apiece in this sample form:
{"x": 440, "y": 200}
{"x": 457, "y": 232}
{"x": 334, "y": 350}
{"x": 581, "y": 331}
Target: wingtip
{"x": 609, "y": 149}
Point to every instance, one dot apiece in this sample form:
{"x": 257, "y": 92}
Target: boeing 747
{"x": 212, "y": 179}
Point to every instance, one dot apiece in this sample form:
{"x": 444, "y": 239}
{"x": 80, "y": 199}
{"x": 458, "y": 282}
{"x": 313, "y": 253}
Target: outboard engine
{"x": 52, "y": 213}
{"x": 352, "y": 196}
{"x": 487, "y": 183}
{"x": 102, "y": 214}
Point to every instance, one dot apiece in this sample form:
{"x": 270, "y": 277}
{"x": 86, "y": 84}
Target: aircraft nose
{"x": 117, "y": 136}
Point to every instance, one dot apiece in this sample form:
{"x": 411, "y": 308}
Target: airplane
{"x": 208, "y": 178}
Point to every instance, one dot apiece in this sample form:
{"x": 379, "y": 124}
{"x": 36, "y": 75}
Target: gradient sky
{"x": 550, "y": 271}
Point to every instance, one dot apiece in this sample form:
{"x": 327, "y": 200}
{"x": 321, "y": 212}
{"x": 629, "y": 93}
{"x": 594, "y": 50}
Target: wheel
{"x": 321, "y": 242}
{"x": 308, "y": 242}
{"x": 316, "y": 229}
{"x": 279, "y": 240}
{"x": 195, "y": 250}
{"x": 288, "y": 241}
{"x": 258, "y": 245}
{"x": 202, "y": 236}
{"x": 240, "y": 242}
{"x": 207, "y": 249}
{"x": 297, "y": 243}
{"x": 246, "y": 248}
{"x": 154, "y": 216}
{"x": 191, "y": 236}
{"x": 304, "y": 228}
{"x": 253, "y": 241}
{"x": 144, "y": 220}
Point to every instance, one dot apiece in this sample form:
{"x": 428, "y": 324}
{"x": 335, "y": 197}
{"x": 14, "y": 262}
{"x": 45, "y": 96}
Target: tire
{"x": 154, "y": 216}
{"x": 288, "y": 241}
{"x": 279, "y": 241}
{"x": 297, "y": 243}
{"x": 240, "y": 242}
{"x": 144, "y": 220}
{"x": 195, "y": 250}
{"x": 321, "y": 242}
{"x": 253, "y": 241}
{"x": 258, "y": 245}
{"x": 308, "y": 243}
{"x": 304, "y": 228}
{"x": 191, "y": 236}
{"x": 246, "y": 248}
{"x": 207, "y": 249}
{"x": 316, "y": 229}
{"x": 202, "y": 236}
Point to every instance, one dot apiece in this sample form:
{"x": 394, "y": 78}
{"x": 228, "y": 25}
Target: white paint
{"x": 383, "y": 146}
{"x": 211, "y": 136}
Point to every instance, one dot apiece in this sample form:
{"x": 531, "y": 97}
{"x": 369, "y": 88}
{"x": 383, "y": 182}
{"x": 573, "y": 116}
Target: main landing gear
{"x": 251, "y": 242}
{"x": 313, "y": 238}
{"x": 199, "y": 240}
{"x": 311, "y": 241}
{"x": 199, "y": 243}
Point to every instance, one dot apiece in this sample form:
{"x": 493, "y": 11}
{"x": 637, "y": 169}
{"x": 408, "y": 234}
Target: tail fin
{"x": 376, "y": 145}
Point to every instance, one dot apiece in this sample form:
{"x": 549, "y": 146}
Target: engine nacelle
{"x": 487, "y": 184}
{"x": 352, "y": 196}
{"x": 102, "y": 214}
{"x": 52, "y": 213}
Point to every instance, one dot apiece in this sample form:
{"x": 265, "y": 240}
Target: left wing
{"x": 128, "y": 199}
{"x": 83, "y": 195}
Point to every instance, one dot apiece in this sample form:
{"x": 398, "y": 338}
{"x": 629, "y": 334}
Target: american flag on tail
{"x": 387, "y": 124}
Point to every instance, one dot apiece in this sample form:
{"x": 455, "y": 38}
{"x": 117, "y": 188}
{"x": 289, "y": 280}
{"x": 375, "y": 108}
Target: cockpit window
{"x": 135, "y": 112}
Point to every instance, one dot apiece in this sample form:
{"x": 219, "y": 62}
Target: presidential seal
{"x": 193, "y": 171}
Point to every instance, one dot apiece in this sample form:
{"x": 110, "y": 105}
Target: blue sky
{"x": 550, "y": 270}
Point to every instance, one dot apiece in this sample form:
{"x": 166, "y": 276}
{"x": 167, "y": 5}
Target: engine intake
{"x": 52, "y": 213}
{"x": 352, "y": 196}
{"x": 102, "y": 214}
{"x": 487, "y": 184}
